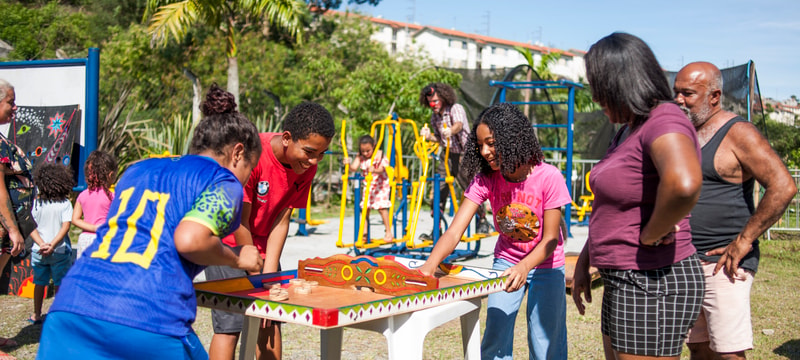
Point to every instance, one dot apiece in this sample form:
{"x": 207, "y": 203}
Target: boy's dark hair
{"x": 309, "y": 118}
{"x": 366, "y": 139}
{"x": 625, "y": 77}
{"x": 99, "y": 170}
{"x": 222, "y": 125}
{"x": 53, "y": 181}
{"x": 446, "y": 94}
{"x": 515, "y": 143}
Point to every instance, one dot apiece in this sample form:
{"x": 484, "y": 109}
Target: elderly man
{"x": 725, "y": 222}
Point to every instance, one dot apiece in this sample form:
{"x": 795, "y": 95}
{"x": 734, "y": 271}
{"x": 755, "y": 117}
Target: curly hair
{"x": 446, "y": 94}
{"x": 516, "y": 143}
{"x": 222, "y": 125}
{"x": 53, "y": 181}
{"x": 99, "y": 170}
{"x": 309, "y": 118}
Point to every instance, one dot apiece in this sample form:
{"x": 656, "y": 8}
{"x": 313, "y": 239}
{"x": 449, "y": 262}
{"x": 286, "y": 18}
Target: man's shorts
{"x": 225, "y": 322}
{"x": 725, "y": 320}
{"x": 54, "y": 266}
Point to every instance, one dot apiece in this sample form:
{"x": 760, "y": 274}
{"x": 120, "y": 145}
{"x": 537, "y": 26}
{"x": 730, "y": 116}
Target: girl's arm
{"x": 77, "y": 219}
{"x": 276, "y": 240}
{"x": 449, "y": 240}
{"x": 37, "y": 238}
{"x": 551, "y": 228}
{"x": 675, "y": 157}
{"x": 355, "y": 163}
{"x": 378, "y": 169}
{"x": 196, "y": 243}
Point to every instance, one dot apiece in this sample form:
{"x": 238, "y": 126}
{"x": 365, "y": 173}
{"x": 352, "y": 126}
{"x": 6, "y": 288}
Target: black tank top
{"x": 723, "y": 208}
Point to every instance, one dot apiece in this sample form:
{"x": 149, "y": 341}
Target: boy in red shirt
{"x": 279, "y": 183}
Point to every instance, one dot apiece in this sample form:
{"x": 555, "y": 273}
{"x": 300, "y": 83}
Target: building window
{"x": 394, "y": 35}
{"x": 463, "y": 44}
{"x": 450, "y": 43}
{"x": 493, "y": 67}
{"x": 494, "y": 49}
{"x": 394, "y": 48}
{"x": 463, "y": 64}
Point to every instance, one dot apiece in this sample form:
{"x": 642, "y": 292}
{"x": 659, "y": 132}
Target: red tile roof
{"x": 481, "y": 39}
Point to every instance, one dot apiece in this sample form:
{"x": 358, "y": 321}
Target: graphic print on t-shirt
{"x": 518, "y": 222}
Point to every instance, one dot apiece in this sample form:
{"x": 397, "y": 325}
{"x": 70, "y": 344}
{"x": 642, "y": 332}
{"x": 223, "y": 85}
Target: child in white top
{"x": 52, "y": 252}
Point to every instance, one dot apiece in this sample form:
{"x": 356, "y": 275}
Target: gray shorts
{"x": 225, "y": 322}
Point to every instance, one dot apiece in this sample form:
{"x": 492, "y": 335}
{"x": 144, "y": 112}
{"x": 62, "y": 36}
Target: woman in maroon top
{"x": 645, "y": 186}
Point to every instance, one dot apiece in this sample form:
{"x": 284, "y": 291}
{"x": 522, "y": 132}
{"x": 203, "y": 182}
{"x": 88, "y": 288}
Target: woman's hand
{"x": 666, "y": 239}
{"x": 581, "y": 281}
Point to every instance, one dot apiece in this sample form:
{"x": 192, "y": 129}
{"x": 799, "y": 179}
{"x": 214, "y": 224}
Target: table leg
{"x": 247, "y": 350}
{"x": 331, "y": 343}
{"x": 471, "y": 332}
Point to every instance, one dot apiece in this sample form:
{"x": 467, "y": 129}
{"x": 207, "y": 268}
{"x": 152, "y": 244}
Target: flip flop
{"x": 34, "y": 322}
{"x": 7, "y": 342}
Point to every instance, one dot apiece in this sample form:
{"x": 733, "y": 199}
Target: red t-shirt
{"x": 272, "y": 187}
{"x": 625, "y": 183}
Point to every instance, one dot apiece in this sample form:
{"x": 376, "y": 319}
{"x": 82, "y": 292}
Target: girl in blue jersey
{"x": 130, "y": 295}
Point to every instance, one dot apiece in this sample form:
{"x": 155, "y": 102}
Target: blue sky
{"x": 724, "y": 32}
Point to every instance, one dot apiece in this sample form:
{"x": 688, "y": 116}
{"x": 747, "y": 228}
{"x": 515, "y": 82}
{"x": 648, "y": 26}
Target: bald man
{"x": 725, "y": 222}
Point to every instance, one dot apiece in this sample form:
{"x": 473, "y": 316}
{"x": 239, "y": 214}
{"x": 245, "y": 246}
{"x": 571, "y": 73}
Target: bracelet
{"x": 658, "y": 242}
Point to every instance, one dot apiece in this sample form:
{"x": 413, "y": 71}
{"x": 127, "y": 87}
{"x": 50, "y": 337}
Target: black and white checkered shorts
{"x": 649, "y": 312}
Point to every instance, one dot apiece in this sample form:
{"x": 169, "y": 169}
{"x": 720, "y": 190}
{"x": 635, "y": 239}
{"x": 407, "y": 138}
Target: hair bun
{"x": 218, "y": 101}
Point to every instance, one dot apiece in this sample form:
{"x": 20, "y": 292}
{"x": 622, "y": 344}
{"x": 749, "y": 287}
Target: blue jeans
{"x": 546, "y": 314}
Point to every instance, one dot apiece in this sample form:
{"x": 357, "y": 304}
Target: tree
{"x": 231, "y": 17}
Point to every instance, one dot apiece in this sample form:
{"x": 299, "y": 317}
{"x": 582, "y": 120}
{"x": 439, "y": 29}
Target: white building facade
{"x": 456, "y": 49}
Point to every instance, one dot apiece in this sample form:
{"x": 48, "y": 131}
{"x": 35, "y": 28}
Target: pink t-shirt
{"x": 519, "y": 210}
{"x": 95, "y": 205}
{"x": 625, "y": 183}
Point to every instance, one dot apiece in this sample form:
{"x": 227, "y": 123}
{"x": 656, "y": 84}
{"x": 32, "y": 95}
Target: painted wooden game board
{"x": 335, "y": 301}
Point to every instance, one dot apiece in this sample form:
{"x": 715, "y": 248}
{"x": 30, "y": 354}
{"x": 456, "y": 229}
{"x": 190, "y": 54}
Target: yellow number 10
{"x": 122, "y": 255}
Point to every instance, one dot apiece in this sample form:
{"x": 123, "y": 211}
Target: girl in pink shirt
{"x": 92, "y": 204}
{"x": 504, "y": 156}
{"x": 380, "y": 189}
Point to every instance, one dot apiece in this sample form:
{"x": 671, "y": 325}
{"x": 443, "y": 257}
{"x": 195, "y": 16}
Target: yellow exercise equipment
{"x": 586, "y": 201}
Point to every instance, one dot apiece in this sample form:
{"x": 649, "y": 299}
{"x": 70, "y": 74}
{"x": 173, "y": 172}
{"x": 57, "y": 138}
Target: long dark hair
{"x": 515, "y": 141}
{"x": 222, "y": 125}
{"x": 625, "y": 77}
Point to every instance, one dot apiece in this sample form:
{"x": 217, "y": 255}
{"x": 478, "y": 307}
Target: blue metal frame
{"x": 570, "y": 125}
{"x": 90, "y": 125}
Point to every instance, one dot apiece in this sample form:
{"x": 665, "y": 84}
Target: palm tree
{"x": 176, "y": 17}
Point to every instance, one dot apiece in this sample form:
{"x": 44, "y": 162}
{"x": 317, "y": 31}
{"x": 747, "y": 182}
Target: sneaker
{"x": 483, "y": 227}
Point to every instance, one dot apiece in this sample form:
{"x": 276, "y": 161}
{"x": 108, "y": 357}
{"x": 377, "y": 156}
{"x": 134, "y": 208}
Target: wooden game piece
{"x": 276, "y": 286}
{"x": 278, "y": 295}
{"x": 296, "y": 282}
{"x": 304, "y": 290}
{"x": 312, "y": 283}
{"x": 383, "y": 276}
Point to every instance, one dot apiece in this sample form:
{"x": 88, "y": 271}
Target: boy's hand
{"x": 46, "y": 250}
{"x": 249, "y": 259}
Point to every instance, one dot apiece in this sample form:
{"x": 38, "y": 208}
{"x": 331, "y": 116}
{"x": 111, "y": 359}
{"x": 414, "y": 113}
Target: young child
{"x": 92, "y": 204}
{"x": 279, "y": 183}
{"x": 131, "y": 295}
{"x": 379, "y": 189}
{"x": 527, "y": 195}
{"x": 52, "y": 252}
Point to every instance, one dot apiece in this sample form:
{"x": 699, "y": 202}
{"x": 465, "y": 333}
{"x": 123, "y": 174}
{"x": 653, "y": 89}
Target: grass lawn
{"x": 775, "y": 307}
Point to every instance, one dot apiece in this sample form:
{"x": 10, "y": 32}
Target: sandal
{"x": 7, "y": 342}
{"x": 34, "y": 321}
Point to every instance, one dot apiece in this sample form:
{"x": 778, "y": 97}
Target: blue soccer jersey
{"x": 132, "y": 274}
